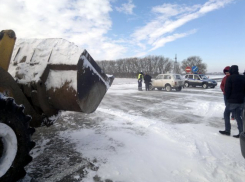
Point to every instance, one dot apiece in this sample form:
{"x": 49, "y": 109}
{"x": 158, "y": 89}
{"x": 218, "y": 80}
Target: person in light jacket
{"x": 140, "y": 79}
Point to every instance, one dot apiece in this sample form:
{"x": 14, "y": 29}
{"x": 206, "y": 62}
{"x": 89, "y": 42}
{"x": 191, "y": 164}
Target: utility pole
{"x": 175, "y": 70}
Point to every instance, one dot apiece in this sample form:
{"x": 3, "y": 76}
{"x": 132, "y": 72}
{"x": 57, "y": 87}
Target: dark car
{"x": 199, "y": 80}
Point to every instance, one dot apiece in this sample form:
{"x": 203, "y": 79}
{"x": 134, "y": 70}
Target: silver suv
{"x": 168, "y": 82}
{"x": 199, "y": 80}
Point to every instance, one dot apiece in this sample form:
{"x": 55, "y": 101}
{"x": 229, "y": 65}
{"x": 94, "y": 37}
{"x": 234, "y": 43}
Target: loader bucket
{"x": 92, "y": 83}
{"x": 78, "y": 87}
{"x": 55, "y": 74}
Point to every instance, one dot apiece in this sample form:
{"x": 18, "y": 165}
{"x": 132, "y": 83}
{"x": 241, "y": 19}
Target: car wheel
{"x": 178, "y": 89}
{"x": 205, "y": 85}
{"x": 168, "y": 88}
{"x": 159, "y": 88}
{"x": 187, "y": 84}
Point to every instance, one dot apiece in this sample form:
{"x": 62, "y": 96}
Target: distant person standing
{"x": 140, "y": 79}
{"x": 222, "y": 86}
{"x": 234, "y": 92}
{"x": 147, "y": 79}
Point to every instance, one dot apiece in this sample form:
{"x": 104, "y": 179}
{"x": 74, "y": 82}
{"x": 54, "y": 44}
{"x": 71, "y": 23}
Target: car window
{"x": 177, "y": 77}
{"x": 186, "y": 76}
{"x": 196, "y": 77}
{"x": 167, "y": 77}
{"x": 203, "y": 77}
{"x": 159, "y": 77}
{"x": 190, "y": 76}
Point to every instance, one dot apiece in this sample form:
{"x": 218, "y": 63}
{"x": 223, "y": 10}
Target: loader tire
{"x": 13, "y": 117}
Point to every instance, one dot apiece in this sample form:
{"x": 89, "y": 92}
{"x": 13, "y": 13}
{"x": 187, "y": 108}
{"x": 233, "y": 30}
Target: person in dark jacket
{"x": 235, "y": 92}
{"x": 222, "y": 86}
{"x": 140, "y": 79}
{"x": 243, "y": 116}
{"x": 147, "y": 79}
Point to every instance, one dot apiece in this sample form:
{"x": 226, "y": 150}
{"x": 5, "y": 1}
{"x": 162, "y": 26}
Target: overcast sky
{"x": 114, "y": 29}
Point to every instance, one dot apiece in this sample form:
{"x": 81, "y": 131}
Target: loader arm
{"x": 7, "y": 41}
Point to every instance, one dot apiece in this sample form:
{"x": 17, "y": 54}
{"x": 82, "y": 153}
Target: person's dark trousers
{"x": 237, "y": 109}
{"x": 139, "y": 84}
{"x": 147, "y": 86}
{"x": 232, "y": 113}
{"x": 243, "y": 115}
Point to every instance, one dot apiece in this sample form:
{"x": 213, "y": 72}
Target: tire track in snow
{"x": 168, "y": 131}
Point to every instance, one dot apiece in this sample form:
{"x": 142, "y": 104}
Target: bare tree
{"x": 130, "y": 67}
{"x": 168, "y": 66}
{"x": 176, "y": 68}
{"x": 194, "y": 61}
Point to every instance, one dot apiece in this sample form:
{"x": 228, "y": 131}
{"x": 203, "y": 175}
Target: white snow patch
{"x": 39, "y": 53}
{"x": 134, "y": 148}
{"x": 57, "y": 79}
{"x": 153, "y": 151}
{"x": 40, "y": 147}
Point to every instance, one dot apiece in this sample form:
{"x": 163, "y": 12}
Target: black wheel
{"x": 187, "y": 84}
{"x": 205, "y": 85}
{"x": 13, "y": 119}
{"x": 159, "y": 88}
{"x": 168, "y": 88}
{"x": 178, "y": 89}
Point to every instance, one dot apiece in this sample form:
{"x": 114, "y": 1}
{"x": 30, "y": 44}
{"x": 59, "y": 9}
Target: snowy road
{"x": 133, "y": 136}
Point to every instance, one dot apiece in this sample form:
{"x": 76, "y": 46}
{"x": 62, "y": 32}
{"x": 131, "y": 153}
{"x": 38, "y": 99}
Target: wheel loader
{"x": 38, "y": 79}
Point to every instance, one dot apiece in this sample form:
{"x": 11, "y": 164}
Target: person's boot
{"x": 225, "y": 132}
{"x": 236, "y": 136}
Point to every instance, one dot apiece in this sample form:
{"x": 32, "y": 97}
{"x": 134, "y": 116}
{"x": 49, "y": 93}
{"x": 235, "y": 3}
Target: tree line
{"x": 153, "y": 65}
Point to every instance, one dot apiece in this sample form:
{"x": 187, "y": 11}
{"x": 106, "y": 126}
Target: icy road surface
{"x": 153, "y": 136}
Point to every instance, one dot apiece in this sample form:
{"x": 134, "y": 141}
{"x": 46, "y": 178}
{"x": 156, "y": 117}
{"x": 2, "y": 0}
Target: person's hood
{"x": 234, "y": 69}
{"x": 226, "y": 69}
